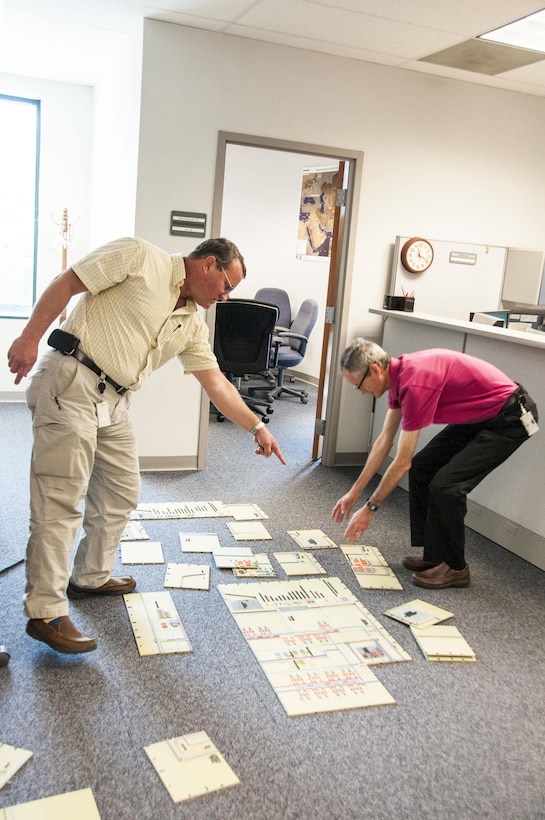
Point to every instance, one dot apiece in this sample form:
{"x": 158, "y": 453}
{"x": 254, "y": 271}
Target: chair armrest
{"x": 293, "y": 336}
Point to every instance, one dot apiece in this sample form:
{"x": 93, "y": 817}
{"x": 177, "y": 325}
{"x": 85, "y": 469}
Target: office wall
{"x": 88, "y": 162}
{"x": 442, "y": 158}
{"x": 65, "y": 181}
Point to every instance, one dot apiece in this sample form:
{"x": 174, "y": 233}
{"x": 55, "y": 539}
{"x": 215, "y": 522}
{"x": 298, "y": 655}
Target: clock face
{"x": 416, "y": 255}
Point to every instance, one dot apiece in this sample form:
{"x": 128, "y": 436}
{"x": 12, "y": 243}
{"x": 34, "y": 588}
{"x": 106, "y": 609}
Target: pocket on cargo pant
{"x": 55, "y": 450}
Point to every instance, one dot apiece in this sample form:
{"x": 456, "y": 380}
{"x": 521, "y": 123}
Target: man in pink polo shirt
{"x": 487, "y": 417}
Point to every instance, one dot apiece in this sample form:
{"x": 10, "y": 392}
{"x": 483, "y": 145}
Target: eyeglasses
{"x": 358, "y": 386}
{"x": 229, "y": 287}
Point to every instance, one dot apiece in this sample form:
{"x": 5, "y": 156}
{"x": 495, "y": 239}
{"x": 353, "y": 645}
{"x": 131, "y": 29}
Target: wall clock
{"x": 416, "y": 254}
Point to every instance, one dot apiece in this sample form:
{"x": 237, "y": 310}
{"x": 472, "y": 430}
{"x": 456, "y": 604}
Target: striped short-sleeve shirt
{"x": 126, "y": 320}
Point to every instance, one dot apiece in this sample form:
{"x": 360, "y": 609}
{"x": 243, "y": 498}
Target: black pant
{"x": 449, "y": 467}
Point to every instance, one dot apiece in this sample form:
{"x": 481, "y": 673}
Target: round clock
{"x": 416, "y": 255}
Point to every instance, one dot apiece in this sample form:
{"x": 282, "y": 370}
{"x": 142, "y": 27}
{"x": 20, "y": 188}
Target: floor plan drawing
{"x": 188, "y": 576}
{"x": 419, "y": 613}
{"x": 299, "y": 563}
{"x": 156, "y": 624}
{"x": 370, "y": 567}
{"x": 199, "y": 541}
{"x": 315, "y": 643}
{"x": 190, "y": 766}
{"x": 443, "y": 643}
{"x": 311, "y": 539}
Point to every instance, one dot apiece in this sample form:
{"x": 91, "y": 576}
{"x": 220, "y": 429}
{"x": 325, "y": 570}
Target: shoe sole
{"x": 63, "y": 650}
{"x": 457, "y": 584}
{"x": 76, "y": 595}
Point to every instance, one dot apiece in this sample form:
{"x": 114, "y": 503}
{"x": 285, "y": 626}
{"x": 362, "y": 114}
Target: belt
{"x": 81, "y": 357}
{"x": 514, "y": 397}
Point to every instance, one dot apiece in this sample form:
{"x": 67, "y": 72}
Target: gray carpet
{"x": 462, "y": 740}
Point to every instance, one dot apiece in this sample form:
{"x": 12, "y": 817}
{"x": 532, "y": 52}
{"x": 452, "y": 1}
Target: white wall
{"x": 65, "y": 180}
{"x": 442, "y": 158}
{"x": 88, "y": 162}
{"x": 261, "y": 197}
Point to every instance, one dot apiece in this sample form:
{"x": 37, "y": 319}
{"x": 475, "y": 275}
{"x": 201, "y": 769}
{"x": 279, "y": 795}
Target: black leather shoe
{"x": 417, "y": 564}
{"x": 115, "y": 585}
{"x": 61, "y": 636}
{"x": 442, "y": 576}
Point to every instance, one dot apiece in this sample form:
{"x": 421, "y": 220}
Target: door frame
{"x": 354, "y": 160}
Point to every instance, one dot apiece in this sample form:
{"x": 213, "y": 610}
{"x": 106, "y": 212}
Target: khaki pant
{"x": 79, "y": 471}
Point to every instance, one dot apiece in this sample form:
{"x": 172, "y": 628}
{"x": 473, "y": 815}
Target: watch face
{"x": 416, "y": 255}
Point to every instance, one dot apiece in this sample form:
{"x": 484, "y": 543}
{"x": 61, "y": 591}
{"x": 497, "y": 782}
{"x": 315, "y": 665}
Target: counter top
{"x": 519, "y": 337}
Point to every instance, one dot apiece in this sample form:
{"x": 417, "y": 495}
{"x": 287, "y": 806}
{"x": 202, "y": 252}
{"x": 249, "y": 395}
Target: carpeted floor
{"x": 462, "y": 741}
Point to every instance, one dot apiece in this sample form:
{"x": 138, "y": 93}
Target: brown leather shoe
{"x": 416, "y": 564}
{"x": 115, "y": 585}
{"x": 442, "y": 576}
{"x": 61, "y": 636}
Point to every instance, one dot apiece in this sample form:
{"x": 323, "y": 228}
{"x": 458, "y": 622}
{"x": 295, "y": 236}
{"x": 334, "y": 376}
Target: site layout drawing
{"x": 315, "y": 643}
{"x": 156, "y": 624}
{"x": 370, "y": 567}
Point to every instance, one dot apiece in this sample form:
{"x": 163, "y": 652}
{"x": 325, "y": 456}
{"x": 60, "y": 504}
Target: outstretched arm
{"x": 379, "y": 451}
{"x": 24, "y": 350}
{"x": 228, "y": 400}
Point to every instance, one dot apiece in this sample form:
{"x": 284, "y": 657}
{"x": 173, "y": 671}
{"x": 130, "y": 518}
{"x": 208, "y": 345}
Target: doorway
{"x": 242, "y": 157}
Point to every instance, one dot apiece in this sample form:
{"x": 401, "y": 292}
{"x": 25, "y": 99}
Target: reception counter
{"x": 509, "y": 505}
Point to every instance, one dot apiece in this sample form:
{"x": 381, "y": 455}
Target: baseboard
{"x": 349, "y": 459}
{"x": 513, "y": 537}
{"x": 13, "y": 395}
{"x": 158, "y": 464}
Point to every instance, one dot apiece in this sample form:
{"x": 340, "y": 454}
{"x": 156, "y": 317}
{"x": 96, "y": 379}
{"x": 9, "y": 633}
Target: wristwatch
{"x": 371, "y": 505}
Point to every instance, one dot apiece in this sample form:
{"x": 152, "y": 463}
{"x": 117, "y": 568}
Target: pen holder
{"x": 399, "y": 303}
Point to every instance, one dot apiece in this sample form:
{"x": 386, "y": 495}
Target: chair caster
{"x": 269, "y": 410}
{"x": 219, "y": 417}
{"x": 4, "y": 655}
{"x": 304, "y": 400}
{"x": 264, "y": 419}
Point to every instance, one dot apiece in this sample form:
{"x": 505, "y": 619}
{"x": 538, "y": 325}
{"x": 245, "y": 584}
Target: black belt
{"x": 81, "y": 357}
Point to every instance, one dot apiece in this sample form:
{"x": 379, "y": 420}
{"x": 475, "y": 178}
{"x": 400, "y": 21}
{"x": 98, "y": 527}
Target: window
{"x": 19, "y": 166}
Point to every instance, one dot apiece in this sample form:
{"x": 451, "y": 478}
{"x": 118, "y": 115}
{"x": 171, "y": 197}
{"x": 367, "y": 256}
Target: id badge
{"x": 528, "y": 422}
{"x": 103, "y": 414}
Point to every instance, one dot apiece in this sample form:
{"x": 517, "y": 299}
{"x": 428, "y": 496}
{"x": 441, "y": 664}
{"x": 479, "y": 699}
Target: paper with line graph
{"x": 156, "y": 624}
{"x": 314, "y": 641}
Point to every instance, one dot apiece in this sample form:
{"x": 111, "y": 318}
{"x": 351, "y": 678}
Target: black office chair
{"x": 290, "y": 349}
{"x": 243, "y": 343}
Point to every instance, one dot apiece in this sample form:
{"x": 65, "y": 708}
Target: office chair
{"x": 243, "y": 344}
{"x": 291, "y": 348}
{"x": 278, "y": 297}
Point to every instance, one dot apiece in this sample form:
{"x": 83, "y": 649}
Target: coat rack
{"x": 66, "y": 241}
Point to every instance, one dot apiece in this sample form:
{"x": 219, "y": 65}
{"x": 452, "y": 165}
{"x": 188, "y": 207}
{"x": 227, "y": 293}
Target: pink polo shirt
{"x": 440, "y": 386}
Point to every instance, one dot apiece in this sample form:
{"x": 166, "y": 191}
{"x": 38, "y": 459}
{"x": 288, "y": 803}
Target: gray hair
{"x": 361, "y": 353}
{"x": 224, "y": 250}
